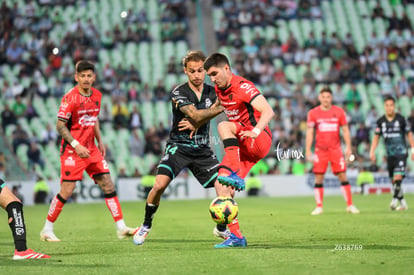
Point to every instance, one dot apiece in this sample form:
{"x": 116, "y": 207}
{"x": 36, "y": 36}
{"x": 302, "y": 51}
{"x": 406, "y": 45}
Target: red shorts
{"x": 322, "y": 157}
{"x": 72, "y": 166}
{"x": 252, "y": 150}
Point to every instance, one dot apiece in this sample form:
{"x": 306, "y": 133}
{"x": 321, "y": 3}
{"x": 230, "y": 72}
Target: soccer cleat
{"x": 125, "y": 232}
{"x": 221, "y": 234}
{"x": 232, "y": 180}
{"x": 352, "y": 209}
{"x": 393, "y": 204}
{"x": 232, "y": 241}
{"x": 29, "y": 254}
{"x": 402, "y": 208}
{"x": 317, "y": 211}
{"x": 48, "y": 236}
{"x": 140, "y": 234}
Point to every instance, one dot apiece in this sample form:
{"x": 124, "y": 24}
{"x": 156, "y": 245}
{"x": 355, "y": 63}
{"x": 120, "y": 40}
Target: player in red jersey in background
{"x": 79, "y": 126}
{"x": 14, "y": 209}
{"x": 327, "y": 119}
{"x": 246, "y": 136}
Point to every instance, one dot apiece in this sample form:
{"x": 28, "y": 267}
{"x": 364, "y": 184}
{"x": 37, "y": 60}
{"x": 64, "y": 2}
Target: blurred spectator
{"x": 14, "y": 53}
{"x": 133, "y": 74}
{"x": 120, "y": 115}
{"x": 159, "y": 92}
{"x": 105, "y": 115}
{"x": 135, "y": 119}
{"x": 378, "y": 11}
{"x": 31, "y": 111}
{"x": 7, "y": 117}
{"x": 411, "y": 120}
{"x": 34, "y": 156}
{"x": 16, "y": 192}
{"x": 18, "y": 107}
{"x": 67, "y": 73}
{"x": 152, "y": 142}
{"x": 362, "y": 134}
{"x": 109, "y": 156}
{"x": 253, "y": 185}
{"x": 48, "y": 135}
{"x": 41, "y": 191}
{"x": 2, "y": 165}
{"x": 364, "y": 177}
{"x": 136, "y": 144}
{"x": 57, "y": 90}
{"x": 132, "y": 93}
{"x": 403, "y": 87}
{"x": 352, "y": 97}
{"x": 162, "y": 131}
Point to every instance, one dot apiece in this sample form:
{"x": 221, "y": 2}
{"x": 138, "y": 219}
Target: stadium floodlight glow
{"x": 55, "y": 51}
{"x": 124, "y": 14}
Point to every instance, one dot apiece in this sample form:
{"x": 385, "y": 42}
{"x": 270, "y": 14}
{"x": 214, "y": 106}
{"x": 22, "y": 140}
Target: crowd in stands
{"x": 264, "y": 60}
{"x": 322, "y": 57}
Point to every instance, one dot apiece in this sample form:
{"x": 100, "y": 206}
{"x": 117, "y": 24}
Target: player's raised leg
{"x": 66, "y": 189}
{"x": 112, "y": 202}
{"x": 14, "y": 209}
{"x": 230, "y": 165}
{"x": 153, "y": 201}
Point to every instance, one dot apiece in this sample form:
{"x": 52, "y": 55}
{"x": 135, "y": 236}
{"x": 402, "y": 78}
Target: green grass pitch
{"x": 283, "y": 238}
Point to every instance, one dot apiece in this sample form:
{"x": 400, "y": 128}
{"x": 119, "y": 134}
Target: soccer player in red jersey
{"x": 246, "y": 136}
{"x": 14, "y": 209}
{"x": 327, "y": 119}
{"x": 79, "y": 127}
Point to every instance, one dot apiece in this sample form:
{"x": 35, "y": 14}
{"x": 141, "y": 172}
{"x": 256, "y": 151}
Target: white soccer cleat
{"x": 125, "y": 232}
{"x": 317, "y": 211}
{"x": 402, "y": 208}
{"x": 141, "y": 234}
{"x": 393, "y": 204}
{"x": 352, "y": 209}
{"x": 48, "y": 236}
{"x": 221, "y": 234}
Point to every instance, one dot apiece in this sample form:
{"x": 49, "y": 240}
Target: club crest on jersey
{"x": 208, "y": 103}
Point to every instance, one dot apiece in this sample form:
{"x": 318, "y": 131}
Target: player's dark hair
{"x": 216, "y": 59}
{"x": 193, "y": 56}
{"x": 388, "y": 97}
{"x": 325, "y": 89}
{"x": 84, "y": 65}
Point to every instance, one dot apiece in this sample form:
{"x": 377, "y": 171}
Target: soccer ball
{"x": 223, "y": 210}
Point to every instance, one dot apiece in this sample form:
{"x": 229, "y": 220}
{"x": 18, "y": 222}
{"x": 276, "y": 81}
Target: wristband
{"x": 74, "y": 143}
{"x": 256, "y": 131}
{"x": 412, "y": 150}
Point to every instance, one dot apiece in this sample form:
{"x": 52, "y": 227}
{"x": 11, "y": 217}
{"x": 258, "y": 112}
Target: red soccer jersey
{"x": 327, "y": 124}
{"x": 80, "y": 113}
{"x": 236, "y": 100}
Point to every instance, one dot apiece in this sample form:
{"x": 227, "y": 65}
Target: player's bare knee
{"x": 226, "y": 128}
{"x": 105, "y": 182}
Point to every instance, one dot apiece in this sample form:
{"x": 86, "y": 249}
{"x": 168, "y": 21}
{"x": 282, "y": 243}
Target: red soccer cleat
{"x": 29, "y": 254}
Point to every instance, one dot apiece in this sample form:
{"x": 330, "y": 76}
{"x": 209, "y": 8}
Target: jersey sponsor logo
{"x": 64, "y": 105}
{"x": 230, "y": 113}
{"x": 87, "y": 120}
{"x": 176, "y": 92}
{"x": 391, "y": 135}
{"x": 328, "y": 127}
{"x": 249, "y": 89}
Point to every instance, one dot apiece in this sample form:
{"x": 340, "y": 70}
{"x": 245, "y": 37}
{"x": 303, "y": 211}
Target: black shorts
{"x": 200, "y": 161}
{"x": 396, "y": 165}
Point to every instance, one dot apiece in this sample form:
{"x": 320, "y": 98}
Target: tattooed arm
{"x": 199, "y": 117}
{"x": 61, "y": 128}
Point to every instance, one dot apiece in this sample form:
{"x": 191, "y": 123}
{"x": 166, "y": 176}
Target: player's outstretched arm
{"x": 199, "y": 117}
{"x": 374, "y": 144}
{"x": 67, "y": 136}
{"x": 308, "y": 142}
